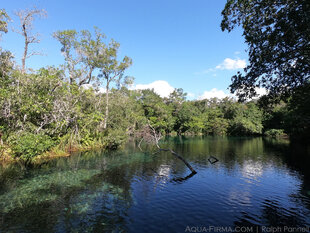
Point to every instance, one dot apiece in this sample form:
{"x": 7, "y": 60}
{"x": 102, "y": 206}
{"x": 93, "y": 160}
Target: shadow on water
{"x": 256, "y": 182}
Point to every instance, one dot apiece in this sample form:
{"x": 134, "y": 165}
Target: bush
{"x": 114, "y": 138}
{"x": 243, "y": 126}
{"x": 28, "y": 145}
{"x": 275, "y": 133}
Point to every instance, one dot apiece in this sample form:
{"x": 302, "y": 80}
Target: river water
{"x": 257, "y": 183}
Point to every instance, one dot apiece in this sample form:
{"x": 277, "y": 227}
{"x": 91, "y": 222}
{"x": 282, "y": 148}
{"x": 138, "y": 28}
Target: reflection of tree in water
{"x": 183, "y": 179}
{"x": 273, "y": 214}
{"x": 297, "y": 159}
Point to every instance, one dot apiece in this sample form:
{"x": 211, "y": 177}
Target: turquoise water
{"x": 256, "y": 183}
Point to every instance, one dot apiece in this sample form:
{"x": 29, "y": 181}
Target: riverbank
{"x": 7, "y": 158}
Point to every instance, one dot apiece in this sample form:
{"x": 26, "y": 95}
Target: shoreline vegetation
{"x": 88, "y": 102}
{"x": 6, "y": 157}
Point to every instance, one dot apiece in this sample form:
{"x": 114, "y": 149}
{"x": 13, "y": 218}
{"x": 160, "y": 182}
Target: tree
{"x": 5, "y": 56}
{"x": 83, "y": 54}
{"x": 178, "y": 96}
{"x": 245, "y": 119}
{"x": 156, "y": 111}
{"x": 185, "y": 116}
{"x": 111, "y": 70}
{"x": 26, "y": 18}
{"x": 297, "y": 122}
{"x": 278, "y": 35}
{"x": 82, "y": 51}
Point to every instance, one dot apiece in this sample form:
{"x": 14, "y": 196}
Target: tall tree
{"x": 177, "y": 96}
{"x": 111, "y": 70}
{"x": 278, "y": 36}
{"x": 84, "y": 53}
{"x": 26, "y": 18}
{"x": 81, "y": 51}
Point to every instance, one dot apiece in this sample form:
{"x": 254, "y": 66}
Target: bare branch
{"x": 34, "y": 53}
{"x": 149, "y": 134}
{"x": 26, "y": 18}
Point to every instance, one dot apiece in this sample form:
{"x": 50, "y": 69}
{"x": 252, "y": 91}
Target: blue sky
{"x": 173, "y": 43}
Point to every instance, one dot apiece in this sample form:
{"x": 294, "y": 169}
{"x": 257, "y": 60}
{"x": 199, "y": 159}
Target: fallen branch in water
{"x": 150, "y": 135}
{"x": 181, "y": 158}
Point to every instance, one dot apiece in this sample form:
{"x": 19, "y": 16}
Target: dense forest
{"x": 87, "y": 102}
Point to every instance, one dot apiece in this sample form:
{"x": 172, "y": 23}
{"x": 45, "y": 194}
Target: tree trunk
{"x": 106, "y": 107}
{"x": 1, "y": 142}
{"x": 25, "y": 55}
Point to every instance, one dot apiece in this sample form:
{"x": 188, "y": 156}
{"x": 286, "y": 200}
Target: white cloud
{"x": 190, "y": 95}
{"x": 231, "y": 64}
{"x": 221, "y": 94}
{"x": 161, "y": 87}
{"x": 87, "y": 86}
{"x": 214, "y": 93}
{"x": 227, "y": 64}
{"x": 260, "y": 91}
{"x": 98, "y": 89}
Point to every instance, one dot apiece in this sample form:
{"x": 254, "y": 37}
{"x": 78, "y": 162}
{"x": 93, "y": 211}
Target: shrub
{"x": 114, "y": 138}
{"x": 244, "y": 126}
{"x": 275, "y": 133}
{"x": 28, "y": 145}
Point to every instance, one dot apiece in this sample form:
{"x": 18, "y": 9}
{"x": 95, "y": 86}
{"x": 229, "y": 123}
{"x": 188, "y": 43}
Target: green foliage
{"x": 4, "y": 18}
{"x": 28, "y": 145}
{"x": 114, "y": 138}
{"x": 246, "y": 119}
{"x": 157, "y": 111}
{"x": 275, "y": 133}
{"x": 277, "y": 34}
{"x": 274, "y": 116}
{"x": 178, "y": 96}
{"x": 184, "y": 115}
{"x": 82, "y": 52}
{"x": 297, "y": 119}
{"x": 243, "y": 126}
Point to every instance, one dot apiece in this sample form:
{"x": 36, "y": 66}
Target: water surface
{"x": 257, "y": 182}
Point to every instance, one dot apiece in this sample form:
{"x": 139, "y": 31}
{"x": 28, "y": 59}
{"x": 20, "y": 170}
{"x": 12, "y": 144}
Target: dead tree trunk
{"x": 26, "y": 18}
{"x": 181, "y": 158}
{"x": 151, "y": 135}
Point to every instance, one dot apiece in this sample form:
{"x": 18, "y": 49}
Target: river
{"x": 257, "y": 183}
